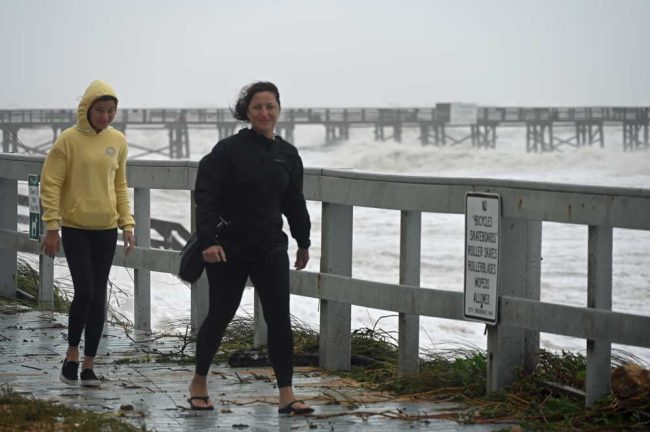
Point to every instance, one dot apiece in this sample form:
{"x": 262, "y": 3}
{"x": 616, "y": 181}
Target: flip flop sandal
{"x": 290, "y": 409}
{"x": 199, "y": 408}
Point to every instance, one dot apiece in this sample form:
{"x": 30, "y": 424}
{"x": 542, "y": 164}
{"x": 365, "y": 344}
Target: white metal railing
{"x": 512, "y": 343}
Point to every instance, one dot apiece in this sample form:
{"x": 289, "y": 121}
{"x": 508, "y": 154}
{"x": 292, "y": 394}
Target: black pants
{"x": 270, "y": 275}
{"x": 90, "y": 255}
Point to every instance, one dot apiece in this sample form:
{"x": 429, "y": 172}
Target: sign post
{"x": 34, "y": 207}
{"x": 482, "y": 217}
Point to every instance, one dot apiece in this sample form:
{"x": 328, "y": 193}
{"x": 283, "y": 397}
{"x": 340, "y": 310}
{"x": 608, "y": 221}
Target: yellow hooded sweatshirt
{"x": 83, "y": 183}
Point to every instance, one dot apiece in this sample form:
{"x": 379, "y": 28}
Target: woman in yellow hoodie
{"x": 84, "y": 194}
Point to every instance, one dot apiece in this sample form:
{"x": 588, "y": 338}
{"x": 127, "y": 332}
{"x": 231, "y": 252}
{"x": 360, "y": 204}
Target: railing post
{"x": 599, "y": 296}
{"x": 533, "y": 288}
{"x": 509, "y": 348}
{"x": 9, "y": 221}
{"x": 45, "y": 273}
{"x": 10, "y": 139}
{"x": 199, "y": 302}
{"x": 46, "y": 282}
{"x": 200, "y": 298}
{"x": 336, "y": 258}
{"x": 409, "y": 274}
{"x": 142, "y": 278}
{"x": 261, "y": 330}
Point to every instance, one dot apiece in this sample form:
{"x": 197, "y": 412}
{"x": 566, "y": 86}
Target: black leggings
{"x": 270, "y": 275}
{"x": 90, "y": 255}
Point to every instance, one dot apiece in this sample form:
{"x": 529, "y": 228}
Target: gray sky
{"x": 198, "y": 53}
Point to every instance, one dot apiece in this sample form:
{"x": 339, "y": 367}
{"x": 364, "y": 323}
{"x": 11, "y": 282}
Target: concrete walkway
{"x": 153, "y": 395}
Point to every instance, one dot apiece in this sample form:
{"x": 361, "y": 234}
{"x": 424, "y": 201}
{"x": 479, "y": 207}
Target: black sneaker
{"x": 88, "y": 378}
{"x": 69, "y": 372}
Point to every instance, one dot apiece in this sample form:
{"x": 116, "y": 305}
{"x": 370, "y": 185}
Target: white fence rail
{"x": 512, "y": 343}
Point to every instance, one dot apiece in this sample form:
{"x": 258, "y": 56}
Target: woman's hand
{"x": 129, "y": 242}
{"x": 51, "y": 243}
{"x": 302, "y": 258}
{"x": 214, "y": 254}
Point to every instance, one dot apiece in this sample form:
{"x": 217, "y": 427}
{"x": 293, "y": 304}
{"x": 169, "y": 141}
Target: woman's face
{"x": 102, "y": 114}
{"x": 263, "y": 112}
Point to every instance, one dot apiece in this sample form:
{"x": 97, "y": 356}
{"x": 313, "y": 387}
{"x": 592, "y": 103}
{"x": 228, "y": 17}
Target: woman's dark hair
{"x": 240, "y": 112}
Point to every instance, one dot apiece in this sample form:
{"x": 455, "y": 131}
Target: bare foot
{"x": 287, "y": 396}
{"x": 199, "y": 389}
{"x": 298, "y": 405}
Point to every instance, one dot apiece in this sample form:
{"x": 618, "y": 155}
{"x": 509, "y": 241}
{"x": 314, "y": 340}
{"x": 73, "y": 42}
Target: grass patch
{"x": 29, "y": 414}
{"x": 28, "y": 282}
{"x": 546, "y": 400}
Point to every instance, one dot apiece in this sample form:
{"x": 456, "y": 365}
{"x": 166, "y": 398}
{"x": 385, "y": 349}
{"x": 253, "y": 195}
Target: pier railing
{"x": 318, "y": 115}
{"x": 512, "y": 343}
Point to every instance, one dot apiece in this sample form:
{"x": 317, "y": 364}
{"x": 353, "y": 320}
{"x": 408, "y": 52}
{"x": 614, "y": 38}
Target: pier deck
{"x": 153, "y": 394}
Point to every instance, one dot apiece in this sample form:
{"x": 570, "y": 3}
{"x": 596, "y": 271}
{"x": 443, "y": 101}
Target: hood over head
{"x": 95, "y": 90}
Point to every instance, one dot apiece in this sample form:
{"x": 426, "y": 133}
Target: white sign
{"x": 482, "y": 216}
{"x": 34, "y": 207}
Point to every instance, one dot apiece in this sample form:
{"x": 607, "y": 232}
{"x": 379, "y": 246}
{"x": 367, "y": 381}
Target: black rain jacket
{"x": 250, "y": 181}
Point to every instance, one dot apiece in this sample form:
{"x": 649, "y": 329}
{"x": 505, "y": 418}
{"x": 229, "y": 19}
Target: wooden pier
{"x": 547, "y": 128}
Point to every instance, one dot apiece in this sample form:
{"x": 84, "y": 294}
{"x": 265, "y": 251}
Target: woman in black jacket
{"x": 243, "y": 187}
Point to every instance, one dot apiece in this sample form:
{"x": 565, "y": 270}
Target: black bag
{"x": 191, "y": 262}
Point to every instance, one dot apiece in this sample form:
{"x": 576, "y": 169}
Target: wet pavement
{"x": 153, "y": 394}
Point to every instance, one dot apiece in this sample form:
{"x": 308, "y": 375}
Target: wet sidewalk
{"x": 153, "y": 395}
